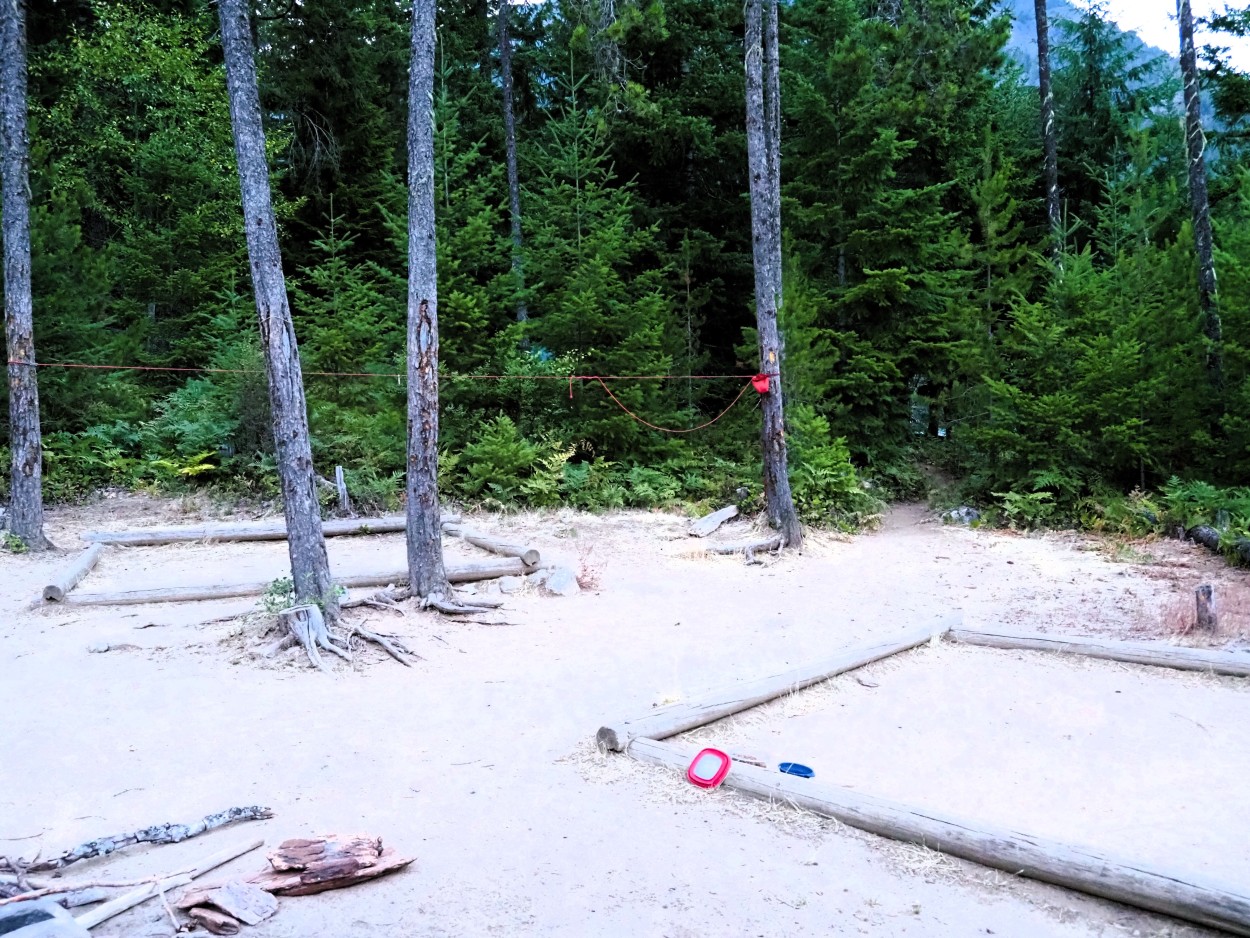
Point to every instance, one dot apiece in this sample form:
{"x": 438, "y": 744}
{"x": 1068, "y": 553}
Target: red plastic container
{"x": 709, "y": 768}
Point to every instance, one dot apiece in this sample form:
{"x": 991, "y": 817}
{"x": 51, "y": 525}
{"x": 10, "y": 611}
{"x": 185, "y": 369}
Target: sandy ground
{"x": 478, "y": 759}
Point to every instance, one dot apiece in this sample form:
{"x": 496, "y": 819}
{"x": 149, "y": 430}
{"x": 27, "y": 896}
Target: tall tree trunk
{"x": 1199, "y": 203}
{"x": 310, "y": 568}
{"x": 425, "y": 545}
{"x": 514, "y": 183}
{"x": 607, "y": 50}
{"x": 25, "y": 518}
{"x": 763, "y": 156}
{"x": 1050, "y": 141}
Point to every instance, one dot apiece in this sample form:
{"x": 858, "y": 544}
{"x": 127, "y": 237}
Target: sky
{"x": 1155, "y": 22}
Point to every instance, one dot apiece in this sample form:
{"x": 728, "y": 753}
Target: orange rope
{"x": 702, "y": 426}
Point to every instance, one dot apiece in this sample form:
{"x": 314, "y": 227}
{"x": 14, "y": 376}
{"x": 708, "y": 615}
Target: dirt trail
{"x": 477, "y": 758}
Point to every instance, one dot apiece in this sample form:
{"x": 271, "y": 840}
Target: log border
{"x": 1079, "y": 867}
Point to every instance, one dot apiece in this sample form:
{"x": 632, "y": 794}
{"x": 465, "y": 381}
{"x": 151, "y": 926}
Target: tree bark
{"x": 1200, "y": 205}
{"x": 25, "y": 517}
{"x": 1050, "y": 141}
{"x": 426, "y": 574}
{"x": 514, "y": 183}
{"x": 310, "y": 567}
{"x": 762, "y": 122}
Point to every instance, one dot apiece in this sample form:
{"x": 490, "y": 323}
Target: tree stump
{"x": 1207, "y": 620}
{"x": 308, "y": 625}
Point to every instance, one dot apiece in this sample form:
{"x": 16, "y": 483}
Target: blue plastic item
{"x": 795, "y": 768}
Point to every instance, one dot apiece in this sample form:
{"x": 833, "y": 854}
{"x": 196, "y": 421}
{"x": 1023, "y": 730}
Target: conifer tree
{"x": 1050, "y": 143}
{"x": 763, "y": 155}
{"x": 426, "y": 574}
{"x": 25, "y": 518}
{"x": 310, "y": 567}
{"x": 509, "y": 131}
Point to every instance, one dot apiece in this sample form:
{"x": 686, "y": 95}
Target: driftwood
{"x": 245, "y": 902}
{"x": 215, "y": 922}
{"x": 70, "y": 577}
{"x": 459, "y": 573}
{"x": 1164, "y": 656}
{"x": 1207, "y": 620}
{"x": 249, "y": 531}
{"x": 157, "y": 834}
{"x": 746, "y": 548}
{"x": 302, "y": 867}
{"x": 677, "y": 718}
{"x": 526, "y": 554}
{"x": 144, "y": 893}
{"x": 709, "y": 523}
{"x": 1086, "y": 869}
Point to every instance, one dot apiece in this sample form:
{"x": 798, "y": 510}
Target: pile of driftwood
{"x": 298, "y": 867}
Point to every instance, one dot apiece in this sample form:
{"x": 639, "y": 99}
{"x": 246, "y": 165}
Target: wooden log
{"x": 709, "y": 523}
{"x": 460, "y": 573}
{"x": 1207, "y": 620}
{"x": 743, "y": 547}
{"x": 526, "y": 554}
{"x": 663, "y": 722}
{"x": 1152, "y": 653}
{"x": 1086, "y": 869}
{"x": 147, "y": 891}
{"x": 1205, "y": 535}
{"x": 340, "y": 484}
{"x": 72, "y": 575}
{"x": 249, "y": 531}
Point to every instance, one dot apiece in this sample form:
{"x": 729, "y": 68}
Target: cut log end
{"x": 608, "y": 740}
{"x": 1208, "y": 619}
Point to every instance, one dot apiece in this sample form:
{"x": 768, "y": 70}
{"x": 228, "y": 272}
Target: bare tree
{"x": 25, "y": 519}
{"x": 1200, "y": 205}
{"x": 1050, "y": 143}
{"x": 427, "y": 576}
{"x": 763, "y": 121}
{"x": 310, "y": 567}
{"x": 514, "y": 184}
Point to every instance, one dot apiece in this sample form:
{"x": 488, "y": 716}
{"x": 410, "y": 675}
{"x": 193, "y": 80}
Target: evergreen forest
{"x": 931, "y": 317}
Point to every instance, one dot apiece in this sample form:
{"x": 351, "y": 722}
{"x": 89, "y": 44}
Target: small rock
{"x": 98, "y": 648}
{"x": 539, "y": 577}
{"x": 562, "y": 582}
{"x": 511, "y": 584}
{"x": 961, "y": 515}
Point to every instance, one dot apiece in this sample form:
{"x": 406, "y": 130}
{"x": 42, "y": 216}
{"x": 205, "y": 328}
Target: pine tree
{"x": 25, "y": 517}
{"x": 310, "y": 567}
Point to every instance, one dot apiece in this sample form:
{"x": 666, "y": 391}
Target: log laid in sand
{"x": 1154, "y": 653}
{"x": 248, "y": 531}
{"x": 459, "y": 573}
{"x": 1172, "y": 892}
{"x": 709, "y": 523}
{"x": 745, "y": 547}
{"x": 70, "y": 577}
{"x": 525, "y": 553}
{"x": 677, "y": 718}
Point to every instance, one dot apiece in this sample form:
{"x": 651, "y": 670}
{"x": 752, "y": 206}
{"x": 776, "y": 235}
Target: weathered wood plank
{"x": 72, "y": 575}
{"x": 742, "y": 547}
{"x": 1164, "y": 656}
{"x": 704, "y": 526}
{"x": 1083, "y": 868}
{"x": 677, "y": 718}
{"x": 460, "y": 573}
{"x": 527, "y": 554}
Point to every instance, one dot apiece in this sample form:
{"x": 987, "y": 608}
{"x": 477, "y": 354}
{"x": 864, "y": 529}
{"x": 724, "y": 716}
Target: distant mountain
{"x": 1023, "y": 41}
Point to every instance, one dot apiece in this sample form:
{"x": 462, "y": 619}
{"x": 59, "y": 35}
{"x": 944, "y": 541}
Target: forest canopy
{"x": 925, "y": 320}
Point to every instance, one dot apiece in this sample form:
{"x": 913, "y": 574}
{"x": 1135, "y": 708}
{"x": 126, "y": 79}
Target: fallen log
{"x": 1205, "y": 535}
{"x": 677, "y": 718}
{"x": 709, "y": 523}
{"x": 526, "y": 554}
{"x": 745, "y": 547}
{"x": 144, "y": 893}
{"x": 1086, "y": 869}
{"x": 302, "y": 867}
{"x": 460, "y": 573}
{"x": 72, "y": 575}
{"x": 1159, "y": 654}
{"x": 157, "y": 834}
{"x": 251, "y": 531}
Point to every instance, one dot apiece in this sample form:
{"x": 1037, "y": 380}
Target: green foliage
{"x": 1027, "y": 510}
{"x": 12, "y": 543}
